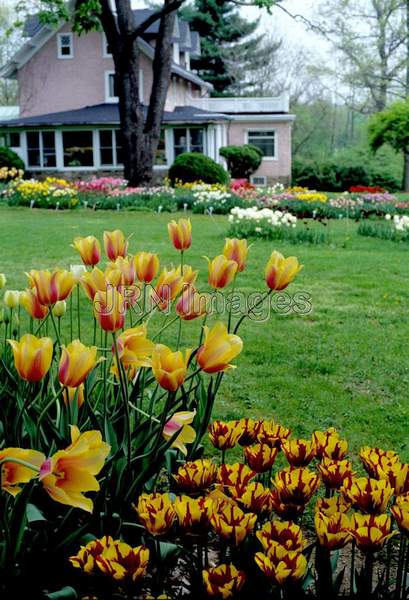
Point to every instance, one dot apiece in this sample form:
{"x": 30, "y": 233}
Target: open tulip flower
{"x": 169, "y": 368}
{"x": 375, "y": 458}
{"x": 122, "y": 562}
{"x": 280, "y": 271}
{"x": 89, "y": 249}
{"x": 330, "y": 506}
{"x": 51, "y": 286}
{"x": 180, "y": 234}
{"x": 285, "y": 533}
{"x": 69, "y": 473}
{"x": 273, "y": 434}
{"x": 168, "y": 287}
{"x": 260, "y": 457}
{"x": 156, "y": 513}
{"x": 134, "y": 347}
{"x": 231, "y": 523}
{"x": 13, "y": 474}
{"x": 192, "y": 514}
{"x": 282, "y": 566}
{"x": 224, "y": 435}
{"x": 86, "y": 557}
{"x": 371, "y": 532}
{"x": 180, "y": 423}
{"x": 296, "y": 485}
{"x": 121, "y": 272}
{"x": 224, "y": 581}
{"x": 236, "y": 250}
{"x": 328, "y": 444}
{"x": 285, "y": 510}
{"x": 299, "y": 453}
{"x": 397, "y": 474}
{"x": 146, "y": 266}
{"x": 366, "y": 494}
{"x": 219, "y": 348}
{"x": 235, "y": 475}
{"x": 222, "y": 271}
{"x": 93, "y": 281}
{"x": 254, "y": 498}
{"x": 109, "y": 309}
{"x": 400, "y": 512}
{"x": 32, "y": 356}
{"x": 115, "y": 244}
{"x": 196, "y": 476}
{"x": 189, "y": 275}
{"x": 332, "y": 531}
{"x": 250, "y": 431}
{"x": 191, "y": 304}
{"x": 333, "y": 472}
{"x": 29, "y": 301}
{"x": 76, "y": 363}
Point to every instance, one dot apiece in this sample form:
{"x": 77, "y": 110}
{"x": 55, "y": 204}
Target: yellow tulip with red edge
{"x": 134, "y": 348}
{"x": 191, "y": 305}
{"x": 280, "y": 271}
{"x": 120, "y": 272}
{"x": 115, "y": 244}
{"x": 89, "y": 249}
{"x": 29, "y": 301}
{"x": 146, "y": 266}
{"x": 224, "y": 581}
{"x": 218, "y": 349}
{"x": 169, "y": 368}
{"x": 12, "y": 473}
{"x": 93, "y": 281}
{"x": 76, "y": 363}
{"x": 180, "y": 423}
{"x": 189, "y": 275}
{"x": 51, "y": 286}
{"x": 69, "y": 473}
{"x": 168, "y": 286}
{"x": 32, "y": 356}
{"x": 236, "y": 250}
{"x": 180, "y": 234}
{"x": 74, "y": 394}
{"x": 109, "y": 310}
{"x": 222, "y": 271}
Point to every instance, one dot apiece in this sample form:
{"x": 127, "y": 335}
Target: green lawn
{"x": 345, "y": 364}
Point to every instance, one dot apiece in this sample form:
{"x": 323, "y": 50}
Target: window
{"x": 106, "y": 49}
{"x": 141, "y": 90}
{"x": 78, "y": 149}
{"x": 258, "y": 179}
{"x": 176, "y": 53}
{"x": 13, "y": 140}
{"x": 65, "y": 45}
{"x": 187, "y": 140}
{"x": 265, "y": 140}
{"x": 110, "y": 87}
{"x": 41, "y": 149}
{"x": 111, "y": 148}
{"x": 161, "y": 158}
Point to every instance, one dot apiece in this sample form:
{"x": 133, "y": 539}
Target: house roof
{"x": 108, "y": 114}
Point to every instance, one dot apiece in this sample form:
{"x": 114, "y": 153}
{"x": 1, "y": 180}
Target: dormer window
{"x": 65, "y": 45}
{"x": 106, "y": 48}
{"x": 176, "y": 53}
{"x": 111, "y": 94}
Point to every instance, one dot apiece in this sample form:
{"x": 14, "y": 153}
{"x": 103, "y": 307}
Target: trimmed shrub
{"x": 9, "y": 159}
{"x": 242, "y": 161}
{"x": 193, "y": 166}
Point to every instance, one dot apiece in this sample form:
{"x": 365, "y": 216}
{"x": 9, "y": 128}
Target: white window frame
{"x": 105, "y": 52}
{"x": 95, "y": 149}
{"x": 59, "y": 46}
{"x": 263, "y": 177}
{"x": 264, "y": 129}
{"x": 115, "y": 164}
{"x": 188, "y": 128}
{"x": 176, "y": 53}
{"x": 41, "y": 167}
{"x": 141, "y": 88}
{"x": 108, "y": 98}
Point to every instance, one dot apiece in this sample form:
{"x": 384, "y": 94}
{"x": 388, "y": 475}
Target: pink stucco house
{"x": 68, "y": 114}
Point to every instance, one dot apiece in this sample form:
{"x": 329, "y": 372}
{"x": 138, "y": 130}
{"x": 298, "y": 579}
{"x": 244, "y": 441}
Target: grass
{"x": 344, "y": 364}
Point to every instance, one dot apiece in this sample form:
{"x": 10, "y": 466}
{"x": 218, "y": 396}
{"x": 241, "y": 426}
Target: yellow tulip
{"x": 134, "y": 348}
{"x": 32, "y": 356}
{"x": 371, "y": 532}
{"x": 89, "y": 249}
{"x": 92, "y": 282}
{"x": 29, "y": 301}
{"x": 366, "y": 494}
{"x": 225, "y": 435}
{"x": 168, "y": 286}
{"x": 156, "y": 513}
{"x": 189, "y": 275}
{"x": 13, "y": 473}
{"x": 69, "y": 473}
{"x": 224, "y": 581}
{"x": 219, "y": 348}
{"x": 11, "y": 298}
{"x": 333, "y": 530}
{"x": 146, "y": 266}
{"x": 71, "y": 394}
{"x": 52, "y": 286}
{"x": 121, "y": 272}
{"x": 195, "y": 476}
{"x": 236, "y": 250}
{"x": 285, "y": 533}
{"x": 180, "y": 234}
{"x": 115, "y": 244}
{"x": 280, "y": 271}
{"x": 59, "y": 309}
{"x": 231, "y": 523}
{"x": 76, "y": 363}
{"x": 169, "y": 368}
{"x": 180, "y": 422}
{"x": 222, "y": 271}
{"x": 281, "y": 565}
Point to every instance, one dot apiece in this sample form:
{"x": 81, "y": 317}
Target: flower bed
{"x": 50, "y": 193}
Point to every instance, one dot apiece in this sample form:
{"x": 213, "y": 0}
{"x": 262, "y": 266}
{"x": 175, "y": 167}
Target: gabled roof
{"x": 108, "y": 114}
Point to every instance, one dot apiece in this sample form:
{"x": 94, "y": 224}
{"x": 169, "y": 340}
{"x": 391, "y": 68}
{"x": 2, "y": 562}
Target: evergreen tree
{"x": 226, "y": 39}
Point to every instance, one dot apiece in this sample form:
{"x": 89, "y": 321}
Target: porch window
{"x": 13, "y": 139}
{"x": 78, "y": 149}
{"x": 65, "y": 45}
{"x": 265, "y": 140}
{"x": 111, "y": 94}
{"x": 187, "y": 139}
{"x": 161, "y": 158}
{"x": 41, "y": 149}
{"x": 110, "y": 148}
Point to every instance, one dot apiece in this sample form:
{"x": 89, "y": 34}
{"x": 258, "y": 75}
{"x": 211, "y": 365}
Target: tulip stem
{"x": 252, "y": 309}
{"x": 94, "y": 337}
{"x": 164, "y": 327}
{"x": 71, "y": 319}
{"x": 179, "y": 333}
{"x": 78, "y": 312}
{"x": 18, "y": 461}
{"x": 142, "y": 412}
{"x": 55, "y": 328}
{"x": 125, "y": 401}
{"x": 231, "y": 303}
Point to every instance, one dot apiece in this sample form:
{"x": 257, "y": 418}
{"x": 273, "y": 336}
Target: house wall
{"x": 277, "y": 169}
{"x": 48, "y": 84}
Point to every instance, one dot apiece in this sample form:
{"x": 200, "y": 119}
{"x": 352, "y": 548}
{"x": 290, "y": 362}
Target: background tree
{"x": 8, "y": 43}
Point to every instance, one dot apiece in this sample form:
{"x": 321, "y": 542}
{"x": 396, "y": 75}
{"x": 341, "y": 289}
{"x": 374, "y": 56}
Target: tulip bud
{"x": 32, "y": 356}
{"x": 3, "y": 280}
{"x": 180, "y": 234}
{"x": 11, "y": 298}
{"x": 59, "y": 308}
{"x": 222, "y": 271}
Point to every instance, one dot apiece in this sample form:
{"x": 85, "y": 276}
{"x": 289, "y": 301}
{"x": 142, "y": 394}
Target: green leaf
{"x": 34, "y": 514}
{"x": 168, "y": 550}
{"x": 66, "y": 592}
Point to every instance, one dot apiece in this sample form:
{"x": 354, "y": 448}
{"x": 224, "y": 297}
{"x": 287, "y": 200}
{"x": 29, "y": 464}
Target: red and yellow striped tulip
{"x": 328, "y": 444}
{"x": 333, "y": 530}
{"x": 191, "y": 304}
{"x": 235, "y": 475}
{"x": 12, "y": 473}
{"x": 196, "y": 476}
{"x": 285, "y": 510}
{"x": 366, "y": 494}
{"x": 122, "y": 562}
{"x": 192, "y": 514}
{"x": 180, "y": 422}
{"x": 180, "y": 234}
{"x": 397, "y": 474}
{"x": 29, "y": 301}
{"x": 334, "y": 472}
{"x": 254, "y": 498}
{"x": 231, "y": 523}
{"x": 299, "y": 453}
{"x": 330, "y": 506}
{"x": 156, "y": 513}
{"x": 236, "y": 250}
{"x": 89, "y": 249}
{"x": 222, "y": 271}
{"x": 32, "y": 356}
{"x": 168, "y": 287}
{"x": 400, "y": 512}
{"x": 69, "y": 473}
{"x": 374, "y": 458}
{"x": 146, "y": 266}
{"x": 169, "y": 368}
{"x": 51, "y": 286}
{"x": 224, "y": 435}
{"x": 371, "y": 532}
{"x": 285, "y": 533}
{"x": 296, "y": 485}
{"x": 273, "y": 434}
{"x": 86, "y": 557}
{"x": 282, "y": 566}
{"x": 109, "y": 310}
{"x": 224, "y": 581}
{"x": 280, "y": 271}
{"x": 115, "y": 244}
{"x": 250, "y": 431}
{"x": 93, "y": 281}
{"x": 260, "y": 457}
{"x": 219, "y": 348}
